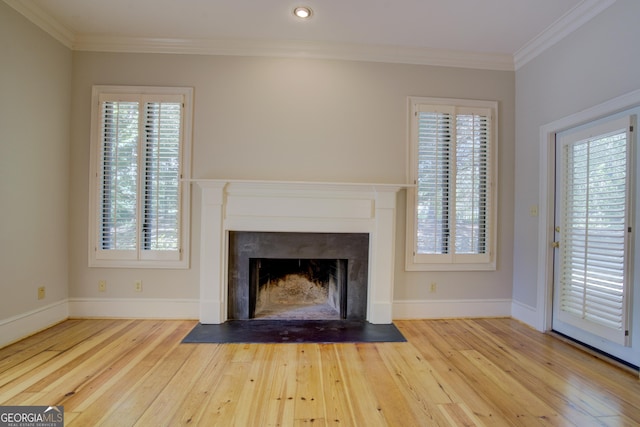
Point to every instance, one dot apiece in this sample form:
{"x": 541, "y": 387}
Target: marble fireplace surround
{"x": 283, "y": 206}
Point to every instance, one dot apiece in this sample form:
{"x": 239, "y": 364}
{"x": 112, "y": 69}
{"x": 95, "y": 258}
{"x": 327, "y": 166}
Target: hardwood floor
{"x": 471, "y": 372}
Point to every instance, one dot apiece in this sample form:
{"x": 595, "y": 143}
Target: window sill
{"x": 413, "y": 266}
{"x": 102, "y": 263}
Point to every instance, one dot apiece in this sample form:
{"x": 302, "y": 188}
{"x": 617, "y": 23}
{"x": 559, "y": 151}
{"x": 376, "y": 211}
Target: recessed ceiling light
{"x": 302, "y": 12}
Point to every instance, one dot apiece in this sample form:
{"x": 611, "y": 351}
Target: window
{"x": 140, "y": 153}
{"x": 451, "y": 218}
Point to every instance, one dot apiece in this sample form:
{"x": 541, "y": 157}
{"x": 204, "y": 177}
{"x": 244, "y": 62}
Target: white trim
{"x": 298, "y": 49}
{"x": 44, "y": 21}
{"x": 121, "y": 259}
{"x": 523, "y": 312}
{"x": 542, "y": 320}
{"x": 18, "y": 327}
{"x": 450, "y": 262}
{"x": 134, "y": 308}
{"x": 564, "y": 26}
{"x": 229, "y": 205}
{"x": 567, "y": 24}
{"x": 448, "y": 309}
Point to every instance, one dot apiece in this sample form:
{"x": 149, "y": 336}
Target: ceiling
{"x": 496, "y": 34}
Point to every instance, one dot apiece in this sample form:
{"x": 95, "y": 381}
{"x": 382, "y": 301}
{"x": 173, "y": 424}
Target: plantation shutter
{"x": 453, "y": 179}
{"x": 139, "y": 177}
{"x": 118, "y": 182}
{"x": 435, "y": 136}
{"x": 472, "y": 181}
{"x": 594, "y": 229}
{"x": 161, "y": 180}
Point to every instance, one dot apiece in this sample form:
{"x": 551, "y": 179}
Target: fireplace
{"x": 290, "y": 209}
{"x": 304, "y": 267}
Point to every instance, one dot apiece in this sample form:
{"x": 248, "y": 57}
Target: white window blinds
{"x": 161, "y": 179}
{"x": 138, "y": 190}
{"x": 433, "y": 181}
{"x": 119, "y": 175}
{"x": 472, "y": 182}
{"x": 594, "y": 229}
{"x": 453, "y": 199}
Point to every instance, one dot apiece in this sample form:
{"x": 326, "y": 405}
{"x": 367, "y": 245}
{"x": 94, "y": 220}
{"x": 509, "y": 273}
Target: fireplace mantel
{"x": 286, "y": 206}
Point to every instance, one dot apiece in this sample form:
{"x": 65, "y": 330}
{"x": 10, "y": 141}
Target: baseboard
{"x": 133, "y": 308}
{"x": 446, "y": 309}
{"x": 526, "y": 314}
{"x": 18, "y": 327}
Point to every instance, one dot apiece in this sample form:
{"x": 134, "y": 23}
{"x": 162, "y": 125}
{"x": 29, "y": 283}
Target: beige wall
{"x": 35, "y": 88}
{"x": 596, "y": 63}
{"x": 290, "y": 119}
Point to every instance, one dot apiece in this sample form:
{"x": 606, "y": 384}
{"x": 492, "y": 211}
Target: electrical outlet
{"x": 138, "y": 286}
{"x": 533, "y": 210}
{"x": 102, "y": 285}
{"x": 434, "y": 287}
{"x": 41, "y": 292}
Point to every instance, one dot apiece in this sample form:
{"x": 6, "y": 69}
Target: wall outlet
{"x": 102, "y": 285}
{"x": 434, "y": 287}
{"x": 138, "y": 286}
{"x": 42, "y": 292}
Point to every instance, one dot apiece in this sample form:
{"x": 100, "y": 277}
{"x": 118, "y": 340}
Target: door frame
{"x": 544, "y": 291}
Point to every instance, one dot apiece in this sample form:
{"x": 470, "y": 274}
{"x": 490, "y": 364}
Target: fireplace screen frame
{"x": 245, "y": 245}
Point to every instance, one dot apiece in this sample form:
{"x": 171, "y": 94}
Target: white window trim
{"x": 460, "y": 262}
{"x": 182, "y": 262}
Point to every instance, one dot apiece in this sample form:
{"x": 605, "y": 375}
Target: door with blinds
{"x": 593, "y": 233}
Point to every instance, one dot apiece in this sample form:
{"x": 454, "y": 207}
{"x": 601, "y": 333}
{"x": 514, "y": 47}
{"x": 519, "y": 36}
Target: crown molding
{"x": 297, "y": 49}
{"x": 43, "y": 20}
{"x": 567, "y": 24}
{"x": 564, "y": 26}
{"x": 281, "y": 48}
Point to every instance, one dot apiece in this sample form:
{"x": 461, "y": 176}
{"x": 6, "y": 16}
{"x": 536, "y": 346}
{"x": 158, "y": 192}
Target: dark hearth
{"x": 294, "y": 332}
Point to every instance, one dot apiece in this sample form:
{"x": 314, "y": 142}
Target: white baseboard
{"x": 18, "y": 327}
{"x": 526, "y": 314}
{"x": 446, "y": 309}
{"x": 133, "y": 308}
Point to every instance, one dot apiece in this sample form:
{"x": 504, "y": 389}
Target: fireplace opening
{"x": 298, "y": 289}
{"x": 337, "y": 263}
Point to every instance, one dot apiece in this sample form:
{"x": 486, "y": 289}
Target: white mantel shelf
{"x": 296, "y": 206}
{"x": 377, "y": 186}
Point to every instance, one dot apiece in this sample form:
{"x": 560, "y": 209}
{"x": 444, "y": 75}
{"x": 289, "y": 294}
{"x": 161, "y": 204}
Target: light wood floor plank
{"x": 309, "y": 406}
{"x": 118, "y": 382}
{"x": 337, "y": 402}
{"x": 532, "y": 374}
{"x": 572, "y": 372}
{"x": 395, "y": 407}
{"x": 224, "y": 406}
{"x": 364, "y": 403}
{"x": 76, "y": 348}
{"x": 434, "y": 349}
{"x": 463, "y": 372}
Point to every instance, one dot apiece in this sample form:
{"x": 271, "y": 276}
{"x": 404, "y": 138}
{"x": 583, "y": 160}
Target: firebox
{"x": 298, "y": 288}
{"x": 293, "y": 276}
